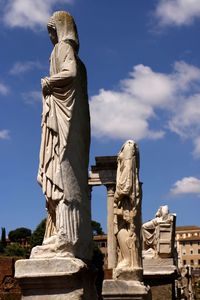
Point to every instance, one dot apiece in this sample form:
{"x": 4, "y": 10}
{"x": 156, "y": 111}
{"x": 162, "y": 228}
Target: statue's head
{"x": 159, "y": 212}
{"x": 61, "y": 27}
{"x": 129, "y": 144}
{"x": 165, "y": 210}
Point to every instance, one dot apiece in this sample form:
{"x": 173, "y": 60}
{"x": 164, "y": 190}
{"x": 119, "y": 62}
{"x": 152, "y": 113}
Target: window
{"x": 191, "y": 251}
{"x": 192, "y": 262}
{"x": 198, "y": 251}
{"x": 198, "y": 261}
{"x": 191, "y": 243}
{"x": 183, "y": 243}
{"x": 184, "y": 261}
{"x": 199, "y": 243}
{"x": 103, "y": 244}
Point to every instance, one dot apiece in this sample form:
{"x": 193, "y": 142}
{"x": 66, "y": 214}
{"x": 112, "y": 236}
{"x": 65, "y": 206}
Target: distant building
{"x": 101, "y": 242}
{"x": 188, "y": 245}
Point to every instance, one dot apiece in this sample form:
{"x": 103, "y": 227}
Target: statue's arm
{"x": 68, "y": 69}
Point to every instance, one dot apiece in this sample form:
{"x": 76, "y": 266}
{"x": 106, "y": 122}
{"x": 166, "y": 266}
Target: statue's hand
{"x": 46, "y": 90}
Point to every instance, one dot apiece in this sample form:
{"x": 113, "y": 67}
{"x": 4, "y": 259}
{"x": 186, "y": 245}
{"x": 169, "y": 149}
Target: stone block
{"x": 125, "y": 290}
{"x": 55, "y": 279}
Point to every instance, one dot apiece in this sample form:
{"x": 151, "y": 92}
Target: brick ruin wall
{"x": 9, "y": 288}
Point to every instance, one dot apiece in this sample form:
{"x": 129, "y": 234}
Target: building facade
{"x": 188, "y": 246}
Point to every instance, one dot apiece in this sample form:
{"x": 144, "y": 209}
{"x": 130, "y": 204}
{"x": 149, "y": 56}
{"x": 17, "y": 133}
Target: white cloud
{"x": 128, "y": 112}
{"x": 118, "y": 115}
{"x": 29, "y": 13}
{"x": 4, "y": 89}
{"x": 23, "y": 67}
{"x": 196, "y": 151}
{"x": 4, "y": 134}
{"x": 177, "y": 12}
{"x": 32, "y": 97}
{"x": 149, "y": 87}
{"x": 185, "y": 121}
{"x": 187, "y": 185}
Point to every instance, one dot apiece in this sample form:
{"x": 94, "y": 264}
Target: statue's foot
{"x": 50, "y": 241}
{"x": 125, "y": 263}
{"x": 150, "y": 253}
{"x": 52, "y": 247}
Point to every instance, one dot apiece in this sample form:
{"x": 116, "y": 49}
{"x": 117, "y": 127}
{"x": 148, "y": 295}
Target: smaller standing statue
{"x": 127, "y": 210}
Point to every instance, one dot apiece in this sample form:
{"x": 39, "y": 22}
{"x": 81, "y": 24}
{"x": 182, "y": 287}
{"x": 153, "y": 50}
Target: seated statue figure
{"x": 150, "y": 230}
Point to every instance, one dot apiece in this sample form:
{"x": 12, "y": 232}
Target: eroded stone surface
{"x": 121, "y": 289}
{"x": 48, "y": 267}
{"x": 63, "y": 278}
{"x": 64, "y": 151}
{"x": 127, "y": 209}
{"x": 159, "y": 234}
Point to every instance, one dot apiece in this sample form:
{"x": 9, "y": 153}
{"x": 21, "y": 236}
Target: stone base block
{"x": 160, "y": 274}
{"x": 159, "y": 266}
{"x": 55, "y": 279}
{"x": 125, "y": 290}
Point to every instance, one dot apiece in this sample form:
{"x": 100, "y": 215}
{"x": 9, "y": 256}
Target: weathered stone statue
{"x": 152, "y": 231}
{"x": 159, "y": 254}
{"x": 127, "y": 209}
{"x": 60, "y": 268}
{"x": 127, "y": 282}
{"x": 64, "y": 153}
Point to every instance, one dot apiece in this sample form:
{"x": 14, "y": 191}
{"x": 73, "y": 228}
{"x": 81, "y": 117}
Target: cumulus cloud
{"x": 196, "y": 151}
{"x": 185, "y": 121}
{"x": 129, "y": 111}
{"x": 29, "y": 13}
{"x": 32, "y": 97}
{"x": 118, "y": 115}
{"x": 177, "y": 12}
{"x": 187, "y": 185}
{"x": 4, "y": 134}
{"x": 23, "y": 67}
{"x": 4, "y": 89}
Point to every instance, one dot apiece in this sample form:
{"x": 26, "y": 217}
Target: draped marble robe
{"x": 64, "y": 152}
{"x": 127, "y": 208}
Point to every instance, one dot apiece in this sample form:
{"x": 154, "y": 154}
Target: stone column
{"x": 111, "y": 239}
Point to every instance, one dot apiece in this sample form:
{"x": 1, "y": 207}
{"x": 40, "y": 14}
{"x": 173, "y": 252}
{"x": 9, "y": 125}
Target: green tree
{"x": 96, "y": 228}
{"x": 15, "y": 250}
{"x": 38, "y": 234}
{"x": 18, "y": 234}
{"x": 3, "y": 240}
{"x": 3, "y": 236}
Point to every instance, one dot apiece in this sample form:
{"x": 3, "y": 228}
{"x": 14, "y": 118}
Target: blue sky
{"x": 143, "y": 65}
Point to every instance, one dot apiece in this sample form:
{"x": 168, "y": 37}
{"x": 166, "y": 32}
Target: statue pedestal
{"x": 125, "y": 290}
{"x": 160, "y": 274}
{"x": 55, "y": 279}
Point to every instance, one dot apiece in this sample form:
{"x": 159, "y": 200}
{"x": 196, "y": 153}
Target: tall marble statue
{"x": 127, "y": 209}
{"x": 64, "y": 152}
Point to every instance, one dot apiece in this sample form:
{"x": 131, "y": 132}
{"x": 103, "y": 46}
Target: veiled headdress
{"x": 65, "y": 28}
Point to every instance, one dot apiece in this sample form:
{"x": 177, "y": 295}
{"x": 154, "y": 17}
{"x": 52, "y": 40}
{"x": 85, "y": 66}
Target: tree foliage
{"x": 3, "y": 236}
{"x": 15, "y": 250}
{"x": 96, "y": 228}
{"x": 18, "y": 234}
{"x": 38, "y": 234}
